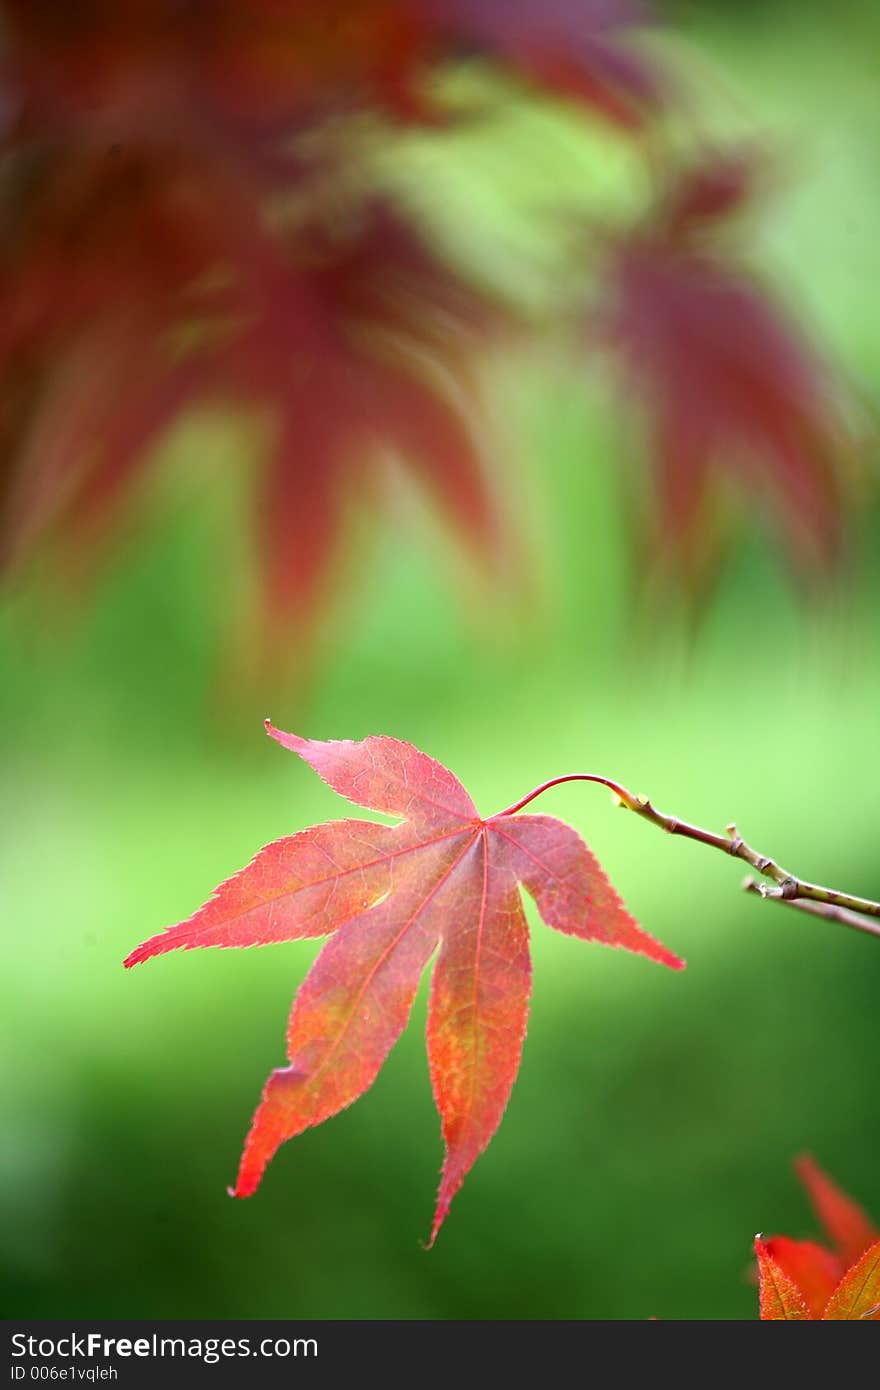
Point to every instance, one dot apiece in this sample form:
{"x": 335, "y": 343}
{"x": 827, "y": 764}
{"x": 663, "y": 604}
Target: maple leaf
{"x": 356, "y": 345}
{"x": 733, "y": 396}
{"x": 391, "y": 895}
{"x": 802, "y": 1279}
{"x": 146, "y": 267}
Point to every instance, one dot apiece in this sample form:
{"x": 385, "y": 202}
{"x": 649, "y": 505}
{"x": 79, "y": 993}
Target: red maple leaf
{"x": 734, "y": 397}
{"x": 800, "y": 1279}
{"x": 391, "y": 895}
{"x": 146, "y": 267}
{"x": 356, "y": 344}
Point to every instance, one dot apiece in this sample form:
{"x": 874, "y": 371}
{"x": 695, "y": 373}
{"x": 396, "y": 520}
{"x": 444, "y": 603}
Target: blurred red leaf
{"x": 732, "y": 394}
{"x": 849, "y": 1228}
{"x": 355, "y": 343}
{"x": 828, "y": 1285}
{"x": 391, "y": 895}
{"x": 142, "y": 273}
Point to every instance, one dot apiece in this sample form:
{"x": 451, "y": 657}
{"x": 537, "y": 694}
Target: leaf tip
{"x": 291, "y": 741}
{"x": 245, "y": 1185}
{"x": 649, "y": 946}
{"x": 435, "y": 1230}
{"x": 780, "y": 1298}
{"x": 847, "y": 1225}
{"x": 448, "y": 1190}
{"x": 276, "y": 733}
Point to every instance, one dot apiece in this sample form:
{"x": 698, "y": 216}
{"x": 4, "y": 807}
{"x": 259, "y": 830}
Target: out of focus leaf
{"x": 357, "y": 343}
{"x": 848, "y": 1227}
{"x": 732, "y": 396}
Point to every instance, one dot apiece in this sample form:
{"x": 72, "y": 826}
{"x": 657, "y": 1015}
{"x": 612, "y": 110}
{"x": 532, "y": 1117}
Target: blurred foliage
{"x": 334, "y": 223}
{"x": 654, "y": 1123}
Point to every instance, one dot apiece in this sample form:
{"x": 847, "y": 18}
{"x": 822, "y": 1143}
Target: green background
{"x": 653, "y": 1126}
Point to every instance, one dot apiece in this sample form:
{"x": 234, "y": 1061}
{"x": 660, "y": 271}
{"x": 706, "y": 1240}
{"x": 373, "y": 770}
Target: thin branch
{"x": 784, "y": 887}
{"x": 826, "y": 910}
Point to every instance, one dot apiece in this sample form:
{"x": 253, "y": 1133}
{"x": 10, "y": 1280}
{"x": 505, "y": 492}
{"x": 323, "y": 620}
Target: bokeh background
{"x": 653, "y": 1127}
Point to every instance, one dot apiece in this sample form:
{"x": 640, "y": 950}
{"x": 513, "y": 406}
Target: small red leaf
{"x": 780, "y": 1298}
{"x": 392, "y": 895}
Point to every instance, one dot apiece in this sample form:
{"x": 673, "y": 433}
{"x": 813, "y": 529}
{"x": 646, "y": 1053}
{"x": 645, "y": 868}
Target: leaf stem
{"x": 784, "y": 887}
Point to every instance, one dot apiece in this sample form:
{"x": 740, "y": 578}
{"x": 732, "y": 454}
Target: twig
{"x": 818, "y": 909}
{"x": 784, "y": 887}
